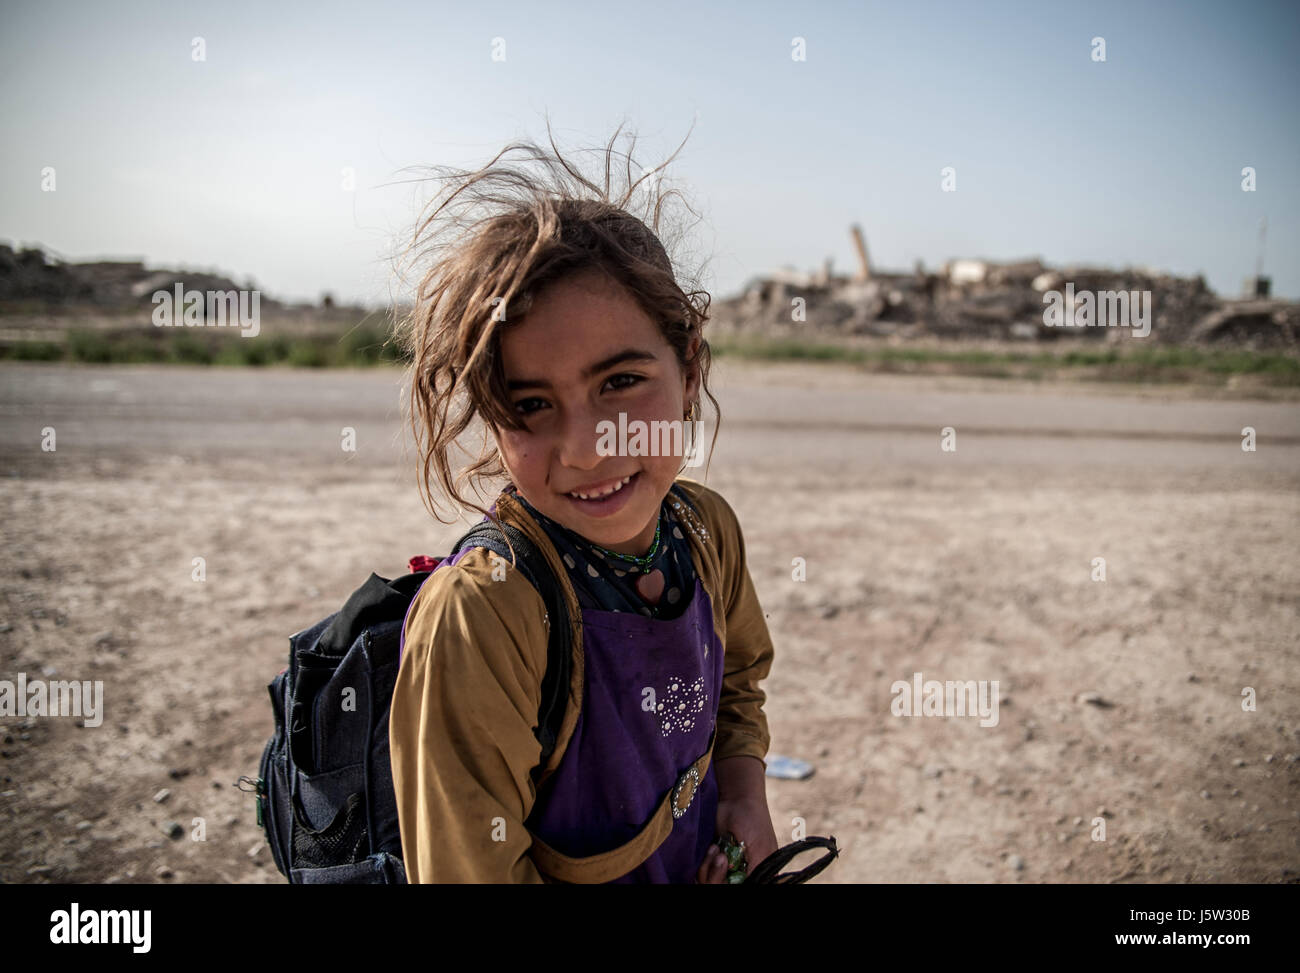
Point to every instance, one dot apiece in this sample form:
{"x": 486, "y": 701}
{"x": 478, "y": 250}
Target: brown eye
{"x": 635, "y": 379}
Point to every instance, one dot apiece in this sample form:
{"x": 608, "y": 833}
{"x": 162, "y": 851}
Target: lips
{"x": 601, "y": 490}
{"x": 622, "y": 492}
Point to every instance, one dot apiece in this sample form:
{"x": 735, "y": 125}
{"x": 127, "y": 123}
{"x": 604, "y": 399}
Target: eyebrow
{"x": 627, "y": 355}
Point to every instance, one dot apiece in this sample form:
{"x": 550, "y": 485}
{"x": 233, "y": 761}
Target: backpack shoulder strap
{"x": 678, "y": 490}
{"x": 559, "y": 650}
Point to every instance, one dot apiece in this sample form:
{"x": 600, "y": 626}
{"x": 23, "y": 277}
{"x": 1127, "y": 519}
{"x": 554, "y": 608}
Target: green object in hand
{"x": 735, "y": 852}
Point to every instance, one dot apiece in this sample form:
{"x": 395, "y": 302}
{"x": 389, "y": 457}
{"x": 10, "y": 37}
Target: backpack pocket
{"x": 273, "y": 785}
{"x": 329, "y": 818}
{"x": 269, "y": 805}
{"x": 379, "y": 869}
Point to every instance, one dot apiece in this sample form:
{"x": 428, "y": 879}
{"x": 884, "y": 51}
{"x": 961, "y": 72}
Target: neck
{"x": 640, "y": 545}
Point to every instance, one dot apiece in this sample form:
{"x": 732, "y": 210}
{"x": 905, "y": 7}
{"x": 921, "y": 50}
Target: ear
{"x": 692, "y": 390}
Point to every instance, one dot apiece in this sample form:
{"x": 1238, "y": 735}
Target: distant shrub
{"x": 34, "y": 351}
{"x": 89, "y": 346}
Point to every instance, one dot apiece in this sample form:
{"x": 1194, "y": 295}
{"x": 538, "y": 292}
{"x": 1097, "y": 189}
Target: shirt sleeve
{"x": 461, "y": 724}
{"x": 742, "y": 724}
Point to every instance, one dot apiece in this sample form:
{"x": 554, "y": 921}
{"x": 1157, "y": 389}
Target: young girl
{"x": 550, "y": 310}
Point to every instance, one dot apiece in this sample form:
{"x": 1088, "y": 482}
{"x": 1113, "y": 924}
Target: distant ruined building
{"x": 28, "y": 277}
{"x": 974, "y": 298}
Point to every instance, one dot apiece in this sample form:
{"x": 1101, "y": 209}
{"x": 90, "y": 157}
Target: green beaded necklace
{"x": 644, "y": 561}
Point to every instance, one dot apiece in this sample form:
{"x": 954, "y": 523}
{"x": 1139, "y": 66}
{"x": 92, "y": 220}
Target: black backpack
{"x": 324, "y": 789}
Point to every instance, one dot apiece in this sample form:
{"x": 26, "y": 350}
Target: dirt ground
{"x": 968, "y": 565}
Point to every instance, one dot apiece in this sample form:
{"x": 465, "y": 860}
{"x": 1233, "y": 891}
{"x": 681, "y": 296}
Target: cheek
{"x": 658, "y": 403}
{"x": 517, "y": 449}
{"x": 662, "y": 404}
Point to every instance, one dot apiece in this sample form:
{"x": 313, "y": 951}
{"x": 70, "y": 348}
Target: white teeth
{"x": 597, "y": 496}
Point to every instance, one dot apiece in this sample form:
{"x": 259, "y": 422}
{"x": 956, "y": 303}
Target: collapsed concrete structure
{"x": 984, "y": 299}
{"x": 30, "y": 280}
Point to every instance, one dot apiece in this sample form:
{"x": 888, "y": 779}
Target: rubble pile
{"x": 29, "y": 278}
{"x": 25, "y": 276}
{"x": 980, "y": 299}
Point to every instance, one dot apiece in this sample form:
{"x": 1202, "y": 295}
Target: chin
{"x": 611, "y": 531}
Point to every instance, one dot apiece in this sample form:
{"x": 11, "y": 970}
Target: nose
{"x": 579, "y": 437}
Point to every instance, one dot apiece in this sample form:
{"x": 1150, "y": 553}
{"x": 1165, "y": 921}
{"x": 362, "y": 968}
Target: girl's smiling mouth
{"x": 604, "y": 498}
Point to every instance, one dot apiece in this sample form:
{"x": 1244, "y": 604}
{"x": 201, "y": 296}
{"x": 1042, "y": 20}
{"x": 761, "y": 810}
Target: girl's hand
{"x": 748, "y": 820}
{"x": 713, "y": 870}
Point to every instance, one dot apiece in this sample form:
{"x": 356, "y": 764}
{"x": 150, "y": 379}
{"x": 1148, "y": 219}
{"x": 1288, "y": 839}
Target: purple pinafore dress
{"x": 650, "y": 703}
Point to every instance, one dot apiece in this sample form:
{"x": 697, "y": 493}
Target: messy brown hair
{"x": 491, "y": 239}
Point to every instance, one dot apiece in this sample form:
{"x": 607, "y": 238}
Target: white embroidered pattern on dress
{"x": 680, "y": 704}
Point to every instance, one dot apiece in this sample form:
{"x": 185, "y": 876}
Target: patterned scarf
{"x": 603, "y": 583}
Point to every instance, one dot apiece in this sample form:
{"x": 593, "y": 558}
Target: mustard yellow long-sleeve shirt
{"x": 469, "y": 688}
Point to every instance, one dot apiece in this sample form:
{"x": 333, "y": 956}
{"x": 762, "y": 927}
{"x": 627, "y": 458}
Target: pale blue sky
{"x": 234, "y": 163}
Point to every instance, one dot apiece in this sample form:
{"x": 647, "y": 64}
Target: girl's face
{"x": 585, "y": 353}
